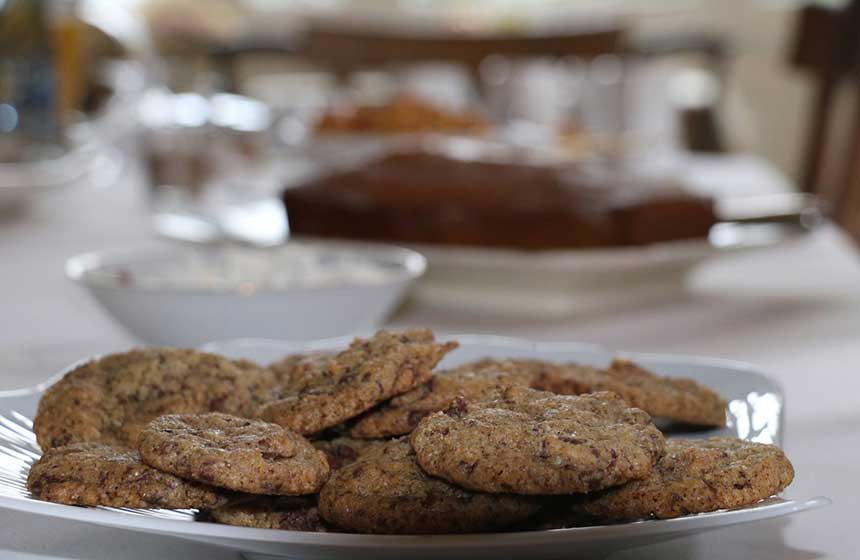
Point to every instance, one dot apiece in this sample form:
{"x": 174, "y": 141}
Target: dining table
{"x": 792, "y": 310}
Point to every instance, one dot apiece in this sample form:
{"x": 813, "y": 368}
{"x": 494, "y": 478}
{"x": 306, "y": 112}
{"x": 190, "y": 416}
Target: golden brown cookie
{"x": 93, "y": 474}
{"x": 473, "y": 382}
{"x": 695, "y": 476}
{"x": 369, "y": 372}
{"x": 110, "y": 400}
{"x": 534, "y": 442}
{"x": 678, "y": 399}
{"x": 299, "y": 371}
{"x": 288, "y": 513}
{"x": 385, "y": 491}
{"x": 234, "y": 453}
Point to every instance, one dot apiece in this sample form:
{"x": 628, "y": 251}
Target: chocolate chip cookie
{"x": 678, "y": 399}
{"x": 474, "y": 382}
{"x": 369, "y": 372}
{"x": 93, "y": 474}
{"x": 385, "y": 491}
{"x": 234, "y": 453}
{"x": 110, "y": 400}
{"x": 290, "y": 513}
{"x": 695, "y": 476}
{"x": 299, "y": 371}
{"x": 534, "y": 442}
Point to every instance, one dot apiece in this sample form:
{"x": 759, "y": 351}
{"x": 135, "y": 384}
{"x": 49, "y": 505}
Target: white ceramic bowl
{"x": 156, "y": 296}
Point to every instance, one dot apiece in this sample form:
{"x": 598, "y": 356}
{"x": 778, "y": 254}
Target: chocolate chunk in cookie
{"x": 401, "y": 415}
{"x": 93, "y": 474}
{"x": 343, "y": 451}
{"x": 385, "y": 491}
{"x": 110, "y": 400}
{"x": 534, "y": 442}
{"x": 694, "y": 476}
{"x": 234, "y": 453}
{"x": 369, "y": 372}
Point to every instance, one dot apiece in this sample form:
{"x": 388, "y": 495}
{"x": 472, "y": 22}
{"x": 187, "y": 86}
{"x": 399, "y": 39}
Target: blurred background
{"x": 700, "y": 77}
{"x": 697, "y": 54}
{"x": 546, "y": 158}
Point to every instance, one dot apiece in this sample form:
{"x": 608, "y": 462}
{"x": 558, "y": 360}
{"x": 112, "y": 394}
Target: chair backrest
{"x": 827, "y": 46}
{"x": 351, "y": 47}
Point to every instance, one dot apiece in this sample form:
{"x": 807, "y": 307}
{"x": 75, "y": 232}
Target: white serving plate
{"x": 569, "y": 282}
{"x": 189, "y": 314}
{"x": 755, "y": 413}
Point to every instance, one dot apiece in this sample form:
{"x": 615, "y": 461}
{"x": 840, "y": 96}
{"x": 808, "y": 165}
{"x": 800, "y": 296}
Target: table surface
{"x": 792, "y": 310}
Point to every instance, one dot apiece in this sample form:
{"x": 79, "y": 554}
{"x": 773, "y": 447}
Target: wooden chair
{"x": 345, "y": 49}
{"x": 827, "y": 46}
{"x": 342, "y": 46}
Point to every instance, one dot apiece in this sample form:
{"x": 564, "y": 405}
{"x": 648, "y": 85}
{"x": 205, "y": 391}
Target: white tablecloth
{"x": 793, "y": 310}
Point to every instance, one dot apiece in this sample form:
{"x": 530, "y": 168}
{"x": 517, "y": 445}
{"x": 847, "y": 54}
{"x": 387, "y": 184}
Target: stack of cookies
{"x": 371, "y": 440}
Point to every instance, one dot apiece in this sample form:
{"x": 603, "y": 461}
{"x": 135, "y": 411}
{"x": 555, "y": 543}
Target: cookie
{"x": 534, "y": 442}
{"x": 678, "y": 399}
{"x": 344, "y": 451}
{"x": 234, "y": 453}
{"x": 293, "y": 513}
{"x": 401, "y": 414}
{"x": 682, "y": 400}
{"x": 93, "y": 474}
{"x": 110, "y": 400}
{"x": 289, "y": 513}
{"x": 695, "y": 476}
{"x": 369, "y": 372}
{"x": 385, "y": 491}
{"x": 299, "y": 371}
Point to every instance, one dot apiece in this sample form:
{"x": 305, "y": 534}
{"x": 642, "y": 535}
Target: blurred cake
{"x": 421, "y": 197}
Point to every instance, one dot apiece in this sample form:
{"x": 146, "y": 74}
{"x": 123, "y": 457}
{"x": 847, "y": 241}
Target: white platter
{"x": 755, "y": 413}
{"x": 570, "y": 282}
